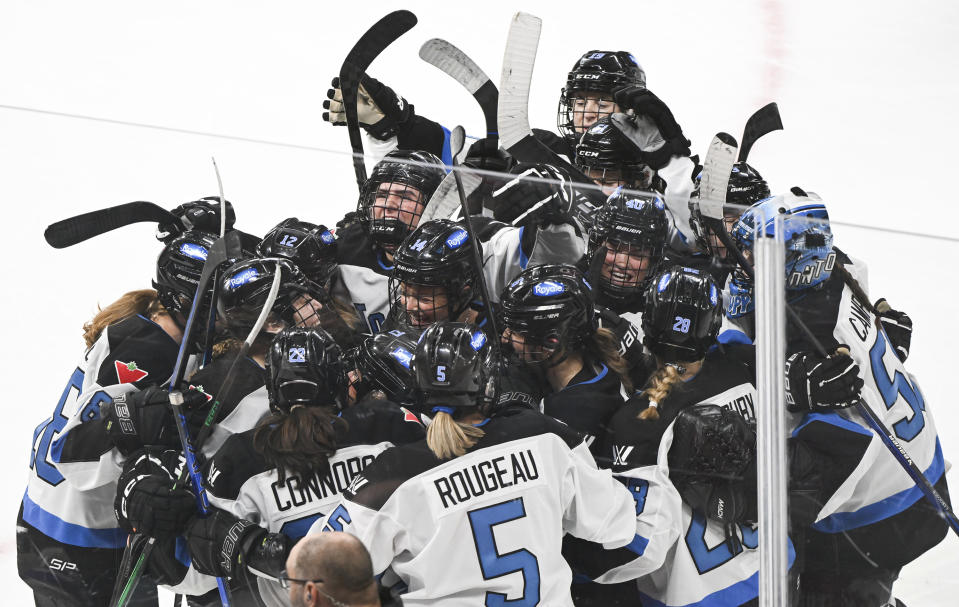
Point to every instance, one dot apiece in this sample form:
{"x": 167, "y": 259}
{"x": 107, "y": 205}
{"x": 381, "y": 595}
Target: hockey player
{"x": 611, "y": 163}
{"x": 680, "y": 325}
{"x": 550, "y": 330}
{"x": 268, "y": 484}
{"x": 383, "y": 363}
{"x": 390, "y": 207}
{"x": 69, "y": 544}
{"x": 872, "y": 521}
{"x": 436, "y": 511}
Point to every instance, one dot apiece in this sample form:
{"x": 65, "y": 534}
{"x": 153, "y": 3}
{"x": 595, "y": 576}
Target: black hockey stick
{"x": 383, "y": 33}
{"x": 764, "y": 121}
{"x": 727, "y": 148}
{"x": 456, "y": 64}
{"x": 73, "y": 230}
{"x": 457, "y": 140}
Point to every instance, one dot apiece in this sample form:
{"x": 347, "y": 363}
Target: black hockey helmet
{"x": 550, "y": 308}
{"x": 684, "y": 309}
{"x": 385, "y": 362}
{"x": 746, "y": 187}
{"x": 310, "y": 246}
{"x": 454, "y": 366}
{"x": 305, "y": 367}
{"x": 604, "y": 157}
{"x": 178, "y": 270}
{"x": 245, "y": 286}
{"x": 437, "y": 254}
{"x": 595, "y": 73}
{"x": 394, "y": 196}
{"x": 633, "y": 229}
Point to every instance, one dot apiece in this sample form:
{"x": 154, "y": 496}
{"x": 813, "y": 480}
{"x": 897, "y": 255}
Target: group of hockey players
{"x": 553, "y": 403}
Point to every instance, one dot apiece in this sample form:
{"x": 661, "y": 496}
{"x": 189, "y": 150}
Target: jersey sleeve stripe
{"x": 70, "y": 533}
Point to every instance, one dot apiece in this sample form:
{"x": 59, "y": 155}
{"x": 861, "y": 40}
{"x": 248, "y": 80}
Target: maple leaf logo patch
{"x": 128, "y": 373}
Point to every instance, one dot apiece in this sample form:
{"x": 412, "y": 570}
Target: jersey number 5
{"x": 493, "y": 564}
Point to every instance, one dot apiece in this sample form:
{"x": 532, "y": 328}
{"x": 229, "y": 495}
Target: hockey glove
{"x": 146, "y": 501}
{"x": 814, "y": 383}
{"x": 224, "y": 545}
{"x": 898, "y": 328}
{"x": 140, "y": 419}
{"x": 203, "y": 215}
{"x": 652, "y": 130}
{"x": 378, "y": 109}
{"x": 710, "y": 459}
{"x": 534, "y": 197}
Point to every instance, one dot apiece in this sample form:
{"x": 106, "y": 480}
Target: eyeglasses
{"x": 287, "y": 581}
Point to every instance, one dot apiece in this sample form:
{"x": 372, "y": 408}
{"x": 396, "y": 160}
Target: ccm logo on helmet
{"x": 194, "y": 251}
{"x": 548, "y": 287}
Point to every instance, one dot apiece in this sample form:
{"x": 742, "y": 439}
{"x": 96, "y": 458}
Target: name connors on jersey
{"x": 489, "y": 475}
{"x": 294, "y": 491}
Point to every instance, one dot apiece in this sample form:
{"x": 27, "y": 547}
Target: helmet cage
{"x": 597, "y": 74}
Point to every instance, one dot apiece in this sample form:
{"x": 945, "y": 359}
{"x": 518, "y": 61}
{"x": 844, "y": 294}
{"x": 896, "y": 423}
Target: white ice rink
{"x": 868, "y": 94}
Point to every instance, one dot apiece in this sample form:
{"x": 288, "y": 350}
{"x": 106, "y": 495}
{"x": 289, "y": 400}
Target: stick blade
{"x": 518, "y": 60}
{"x": 446, "y": 57}
{"x": 764, "y": 121}
{"x": 717, "y": 167}
{"x": 74, "y": 230}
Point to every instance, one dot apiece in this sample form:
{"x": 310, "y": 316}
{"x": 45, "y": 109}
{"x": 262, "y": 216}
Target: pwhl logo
{"x": 128, "y": 373}
{"x": 548, "y": 287}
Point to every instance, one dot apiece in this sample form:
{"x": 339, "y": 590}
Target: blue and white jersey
{"x": 706, "y": 566}
{"x": 878, "y": 487}
{"x": 73, "y": 471}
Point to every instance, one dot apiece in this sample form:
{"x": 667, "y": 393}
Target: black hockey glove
{"x": 898, "y": 328}
{"x": 146, "y": 501}
{"x": 814, "y": 383}
{"x": 203, "y": 215}
{"x": 224, "y": 545}
{"x": 533, "y": 197}
{"x": 652, "y": 131}
{"x": 710, "y": 462}
{"x": 378, "y": 109}
{"x": 140, "y": 419}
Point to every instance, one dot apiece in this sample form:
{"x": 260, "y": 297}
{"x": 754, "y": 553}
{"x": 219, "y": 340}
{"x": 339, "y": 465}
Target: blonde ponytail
{"x": 660, "y": 385}
{"x": 448, "y": 438}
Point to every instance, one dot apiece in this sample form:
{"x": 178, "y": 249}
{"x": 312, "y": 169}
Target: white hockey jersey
{"x": 489, "y": 525}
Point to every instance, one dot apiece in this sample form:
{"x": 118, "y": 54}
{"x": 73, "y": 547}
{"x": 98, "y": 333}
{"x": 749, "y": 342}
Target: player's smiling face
{"x": 626, "y": 265}
{"x": 398, "y": 201}
{"x": 424, "y": 305}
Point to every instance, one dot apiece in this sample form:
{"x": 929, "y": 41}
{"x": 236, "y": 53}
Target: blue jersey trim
{"x": 300, "y": 527}
{"x": 737, "y": 594}
{"x": 523, "y": 259}
{"x": 833, "y": 419}
{"x": 734, "y": 336}
{"x": 70, "y": 533}
{"x": 447, "y": 155}
{"x": 638, "y": 545}
{"x": 181, "y": 553}
{"x": 598, "y": 377}
{"x": 892, "y": 505}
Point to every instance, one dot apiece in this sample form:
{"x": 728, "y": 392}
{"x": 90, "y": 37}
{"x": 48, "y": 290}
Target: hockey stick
{"x": 727, "y": 148}
{"x": 764, "y": 121}
{"x": 457, "y": 140}
{"x": 73, "y": 230}
{"x": 456, "y": 64}
{"x": 383, "y": 33}
{"x": 445, "y": 202}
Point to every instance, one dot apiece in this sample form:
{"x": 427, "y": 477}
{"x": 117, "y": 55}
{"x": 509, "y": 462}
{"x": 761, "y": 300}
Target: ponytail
{"x": 300, "y": 441}
{"x": 143, "y": 301}
{"x": 660, "y": 385}
{"x": 448, "y": 438}
{"x": 602, "y": 345}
